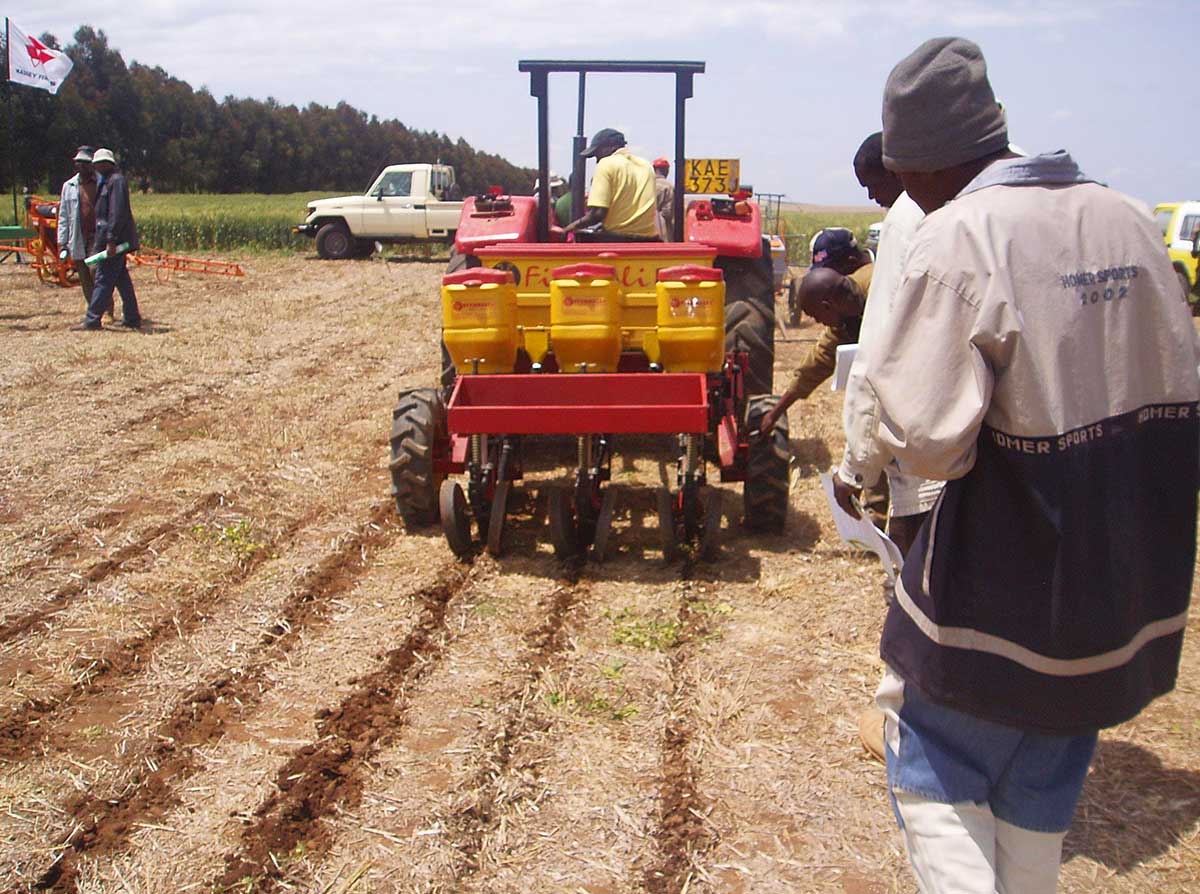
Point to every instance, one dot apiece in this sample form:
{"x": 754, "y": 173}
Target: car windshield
{"x": 1188, "y": 228}
{"x": 1164, "y": 219}
{"x": 394, "y": 183}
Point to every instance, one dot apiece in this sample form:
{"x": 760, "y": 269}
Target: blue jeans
{"x": 111, "y": 273}
{"x": 983, "y": 807}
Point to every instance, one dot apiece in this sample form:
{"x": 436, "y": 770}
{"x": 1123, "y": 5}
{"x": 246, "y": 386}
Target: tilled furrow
{"x": 324, "y": 775}
{"x": 680, "y": 832}
{"x": 519, "y": 716}
{"x": 166, "y": 413}
{"x": 28, "y": 726}
{"x": 103, "y": 824}
{"x": 105, "y": 568}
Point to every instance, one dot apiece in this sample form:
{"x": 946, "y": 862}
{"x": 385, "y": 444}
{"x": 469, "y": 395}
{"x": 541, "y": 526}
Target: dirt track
{"x": 224, "y": 658}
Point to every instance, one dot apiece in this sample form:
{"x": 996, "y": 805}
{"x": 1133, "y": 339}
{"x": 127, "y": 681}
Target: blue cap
{"x": 831, "y": 245}
{"x": 605, "y": 137}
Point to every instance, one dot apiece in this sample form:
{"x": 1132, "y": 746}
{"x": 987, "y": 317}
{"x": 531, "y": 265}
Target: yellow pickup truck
{"x": 1179, "y": 222}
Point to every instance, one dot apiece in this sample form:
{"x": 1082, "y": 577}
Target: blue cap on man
{"x": 831, "y": 245}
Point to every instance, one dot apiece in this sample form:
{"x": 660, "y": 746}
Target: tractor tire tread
{"x": 765, "y": 490}
{"x": 417, "y": 420}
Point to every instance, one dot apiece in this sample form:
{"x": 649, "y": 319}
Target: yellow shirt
{"x": 624, "y": 184}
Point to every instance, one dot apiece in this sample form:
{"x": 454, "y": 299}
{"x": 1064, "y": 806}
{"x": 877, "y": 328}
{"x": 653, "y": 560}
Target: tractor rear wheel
{"x": 460, "y": 261}
{"x": 794, "y": 310}
{"x": 750, "y": 279}
{"x": 750, "y": 315}
{"x": 418, "y": 420}
{"x": 334, "y": 242}
{"x": 748, "y": 329}
{"x": 765, "y": 490}
{"x": 449, "y": 375}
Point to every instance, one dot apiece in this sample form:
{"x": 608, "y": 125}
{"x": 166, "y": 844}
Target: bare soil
{"x": 227, "y": 665}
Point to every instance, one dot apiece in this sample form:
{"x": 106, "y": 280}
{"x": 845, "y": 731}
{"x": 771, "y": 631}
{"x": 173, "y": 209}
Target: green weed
{"x": 613, "y": 670}
{"x": 642, "y": 632}
{"x": 238, "y": 538}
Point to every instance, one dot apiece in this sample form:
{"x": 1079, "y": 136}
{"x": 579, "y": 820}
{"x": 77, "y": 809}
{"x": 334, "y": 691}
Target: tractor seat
{"x": 597, "y": 233}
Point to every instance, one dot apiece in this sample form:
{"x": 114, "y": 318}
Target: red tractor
{"x": 546, "y": 336}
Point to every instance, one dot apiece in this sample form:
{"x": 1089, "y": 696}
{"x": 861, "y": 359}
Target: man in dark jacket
{"x": 114, "y": 227}
{"x": 1048, "y": 374}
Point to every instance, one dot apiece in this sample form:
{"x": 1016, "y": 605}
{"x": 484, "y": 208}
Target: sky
{"x": 790, "y": 88}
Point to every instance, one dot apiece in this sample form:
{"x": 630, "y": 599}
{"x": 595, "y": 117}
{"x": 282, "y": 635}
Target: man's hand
{"x": 768, "y": 421}
{"x": 846, "y": 496}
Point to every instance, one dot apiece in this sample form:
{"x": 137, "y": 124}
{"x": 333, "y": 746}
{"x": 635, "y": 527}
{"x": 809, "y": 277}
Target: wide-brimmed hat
{"x": 104, "y": 155}
{"x": 83, "y": 153}
{"x": 604, "y": 137}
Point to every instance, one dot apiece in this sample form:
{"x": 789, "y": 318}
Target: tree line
{"x": 171, "y": 138}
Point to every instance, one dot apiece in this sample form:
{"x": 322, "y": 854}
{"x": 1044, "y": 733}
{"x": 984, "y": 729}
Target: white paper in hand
{"x": 860, "y": 533}
{"x": 841, "y": 371}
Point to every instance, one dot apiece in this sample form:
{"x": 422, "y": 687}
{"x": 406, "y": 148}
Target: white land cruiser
{"x": 405, "y": 203}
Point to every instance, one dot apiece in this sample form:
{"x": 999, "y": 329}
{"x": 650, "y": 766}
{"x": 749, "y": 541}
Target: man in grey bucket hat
{"x": 1042, "y": 362}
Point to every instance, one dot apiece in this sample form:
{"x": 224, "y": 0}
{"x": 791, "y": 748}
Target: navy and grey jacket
{"x": 1043, "y": 361}
{"x": 114, "y": 219}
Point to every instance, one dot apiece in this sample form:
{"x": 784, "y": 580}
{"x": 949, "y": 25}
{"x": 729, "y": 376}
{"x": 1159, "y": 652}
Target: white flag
{"x": 31, "y": 62}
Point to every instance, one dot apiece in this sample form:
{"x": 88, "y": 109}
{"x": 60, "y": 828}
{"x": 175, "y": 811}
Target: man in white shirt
{"x": 911, "y": 497}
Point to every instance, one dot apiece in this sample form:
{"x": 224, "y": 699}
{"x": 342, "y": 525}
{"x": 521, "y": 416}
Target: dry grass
{"x": 194, "y": 534}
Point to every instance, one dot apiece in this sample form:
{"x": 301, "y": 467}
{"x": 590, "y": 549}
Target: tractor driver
{"x": 622, "y": 197}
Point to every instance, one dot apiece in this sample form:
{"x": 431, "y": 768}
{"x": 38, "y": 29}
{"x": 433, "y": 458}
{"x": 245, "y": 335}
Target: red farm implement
{"x": 38, "y": 239}
{"x": 601, "y": 340}
{"x": 165, "y": 264}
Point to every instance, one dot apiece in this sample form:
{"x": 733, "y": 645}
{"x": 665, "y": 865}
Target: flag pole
{"x": 12, "y": 160}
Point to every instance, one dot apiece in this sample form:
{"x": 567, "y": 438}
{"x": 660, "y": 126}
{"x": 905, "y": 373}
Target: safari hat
{"x": 103, "y": 155}
{"x": 83, "y": 153}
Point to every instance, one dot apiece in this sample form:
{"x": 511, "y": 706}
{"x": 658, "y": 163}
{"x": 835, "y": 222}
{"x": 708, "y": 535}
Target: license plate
{"x": 711, "y": 176}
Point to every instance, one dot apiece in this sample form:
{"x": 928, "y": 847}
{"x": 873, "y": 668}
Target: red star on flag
{"x": 32, "y": 63}
{"x": 37, "y": 51}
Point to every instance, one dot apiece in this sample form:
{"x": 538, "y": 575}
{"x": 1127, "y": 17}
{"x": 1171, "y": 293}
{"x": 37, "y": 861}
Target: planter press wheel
{"x": 603, "y": 525}
{"x": 455, "y": 522}
{"x": 710, "y": 538}
{"x": 562, "y": 524}
{"x": 496, "y": 519}
{"x": 667, "y": 537}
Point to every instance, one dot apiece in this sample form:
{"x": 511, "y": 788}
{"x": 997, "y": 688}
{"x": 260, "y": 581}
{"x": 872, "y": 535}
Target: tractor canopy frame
{"x": 539, "y": 71}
